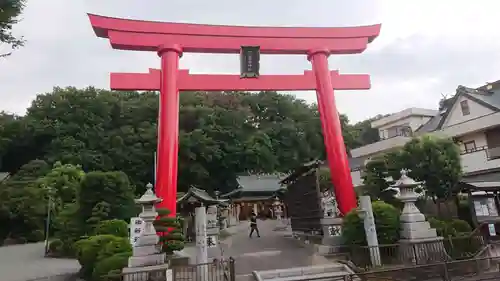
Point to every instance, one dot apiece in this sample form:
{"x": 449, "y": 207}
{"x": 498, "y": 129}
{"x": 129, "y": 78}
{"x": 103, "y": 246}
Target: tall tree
{"x": 222, "y": 134}
{"x": 10, "y": 10}
{"x": 434, "y": 161}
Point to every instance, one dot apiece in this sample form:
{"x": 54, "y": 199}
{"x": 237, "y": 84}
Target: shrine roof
{"x": 253, "y": 198}
{"x": 256, "y": 184}
{"x": 199, "y": 195}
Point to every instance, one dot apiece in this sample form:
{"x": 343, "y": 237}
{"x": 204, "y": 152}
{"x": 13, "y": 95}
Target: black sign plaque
{"x": 250, "y": 61}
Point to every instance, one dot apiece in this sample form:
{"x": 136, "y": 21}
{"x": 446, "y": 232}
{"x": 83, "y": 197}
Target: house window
{"x": 464, "y": 105}
{"x": 470, "y": 146}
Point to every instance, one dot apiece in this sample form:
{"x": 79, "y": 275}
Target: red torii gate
{"x": 170, "y": 40}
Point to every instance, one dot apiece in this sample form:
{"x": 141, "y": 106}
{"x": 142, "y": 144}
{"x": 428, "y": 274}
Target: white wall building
{"x": 471, "y": 117}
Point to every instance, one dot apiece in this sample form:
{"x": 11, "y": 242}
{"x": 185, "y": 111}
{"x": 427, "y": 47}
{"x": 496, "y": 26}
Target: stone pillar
{"x": 146, "y": 253}
{"x": 419, "y": 242}
{"x": 201, "y": 243}
{"x": 366, "y": 212}
{"x": 331, "y": 224}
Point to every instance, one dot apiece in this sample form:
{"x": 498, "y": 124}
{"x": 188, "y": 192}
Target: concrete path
{"x": 271, "y": 251}
{"x": 27, "y": 262}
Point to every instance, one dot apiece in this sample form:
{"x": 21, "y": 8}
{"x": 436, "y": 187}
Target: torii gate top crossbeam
{"x": 148, "y": 35}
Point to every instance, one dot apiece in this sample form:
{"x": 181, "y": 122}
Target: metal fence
{"x": 470, "y": 269}
{"x": 218, "y": 270}
{"x": 422, "y": 253}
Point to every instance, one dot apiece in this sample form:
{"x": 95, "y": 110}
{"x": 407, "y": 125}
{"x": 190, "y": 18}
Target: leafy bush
{"x": 35, "y": 236}
{"x": 386, "y": 221}
{"x": 56, "y": 247}
{"x": 109, "y": 268}
{"x": 115, "y": 246}
{"x": 113, "y": 227}
{"x": 461, "y": 226}
{"x": 171, "y": 237}
{"x": 87, "y": 251}
{"x": 451, "y": 228}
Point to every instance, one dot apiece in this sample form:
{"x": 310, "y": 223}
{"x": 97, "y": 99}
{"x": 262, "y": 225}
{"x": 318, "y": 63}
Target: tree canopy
{"x": 10, "y": 10}
{"x": 222, "y": 134}
{"x": 434, "y": 161}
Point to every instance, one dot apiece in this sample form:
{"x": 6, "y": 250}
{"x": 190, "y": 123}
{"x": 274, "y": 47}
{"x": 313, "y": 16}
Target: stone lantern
{"x": 146, "y": 254}
{"x": 418, "y": 241}
{"x": 277, "y": 209}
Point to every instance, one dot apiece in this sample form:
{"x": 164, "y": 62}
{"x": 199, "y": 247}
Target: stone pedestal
{"x": 419, "y": 243}
{"x": 332, "y": 236}
{"x": 146, "y": 254}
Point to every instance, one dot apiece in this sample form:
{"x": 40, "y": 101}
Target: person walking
{"x": 253, "y": 225}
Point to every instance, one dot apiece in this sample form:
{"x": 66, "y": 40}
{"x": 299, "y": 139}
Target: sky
{"x": 425, "y": 50}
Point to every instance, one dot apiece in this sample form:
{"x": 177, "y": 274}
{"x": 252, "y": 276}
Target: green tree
{"x": 10, "y": 10}
{"x": 104, "y": 196}
{"x": 435, "y": 161}
{"x": 23, "y": 204}
{"x": 376, "y": 183}
{"x": 62, "y": 183}
{"x": 222, "y": 134}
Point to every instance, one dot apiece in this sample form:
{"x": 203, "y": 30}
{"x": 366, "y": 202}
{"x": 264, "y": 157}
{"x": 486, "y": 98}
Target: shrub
{"x": 93, "y": 250}
{"x": 450, "y": 228}
{"x": 115, "y": 246}
{"x": 109, "y": 268}
{"x": 35, "y": 236}
{"x": 171, "y": 237}
{"x": 87, "y": 251}
{"x": 113, "y": 227}
{"x": 461, "y": 226}
{"x": 386, "y": 221}
{"x": 56, "y": 247}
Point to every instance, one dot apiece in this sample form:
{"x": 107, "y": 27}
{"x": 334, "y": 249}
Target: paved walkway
{"x": 271, "y": 251}
{"x": 26, "y": 262}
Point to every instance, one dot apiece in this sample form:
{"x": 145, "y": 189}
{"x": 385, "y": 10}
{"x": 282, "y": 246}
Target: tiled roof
{"x": 200, "y": 195}
{"x": 256, "y": 183}
{"x": 259, "y": 183}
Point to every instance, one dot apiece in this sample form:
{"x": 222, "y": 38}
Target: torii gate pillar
{"x": 168, "y": 125}
{"x": 332, "y": 131}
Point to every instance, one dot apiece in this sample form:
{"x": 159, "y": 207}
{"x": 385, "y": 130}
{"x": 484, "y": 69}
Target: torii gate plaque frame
{"x": 171, "y": 40}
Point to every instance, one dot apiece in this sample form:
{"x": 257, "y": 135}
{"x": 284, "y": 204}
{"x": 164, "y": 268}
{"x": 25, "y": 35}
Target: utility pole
{"x": 47, "y": 224}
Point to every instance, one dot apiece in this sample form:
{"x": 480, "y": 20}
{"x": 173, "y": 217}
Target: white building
{"x": 471, "y": 117}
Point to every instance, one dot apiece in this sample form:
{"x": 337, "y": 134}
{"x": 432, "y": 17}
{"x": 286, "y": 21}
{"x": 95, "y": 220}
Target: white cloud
{"x": 426, "y": 48}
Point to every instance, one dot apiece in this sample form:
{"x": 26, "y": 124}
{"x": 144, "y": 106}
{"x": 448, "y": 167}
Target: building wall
{"x": 476, "y": 110}
{"x": 479, "y": 138}
{"x": 414, "y": 122}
